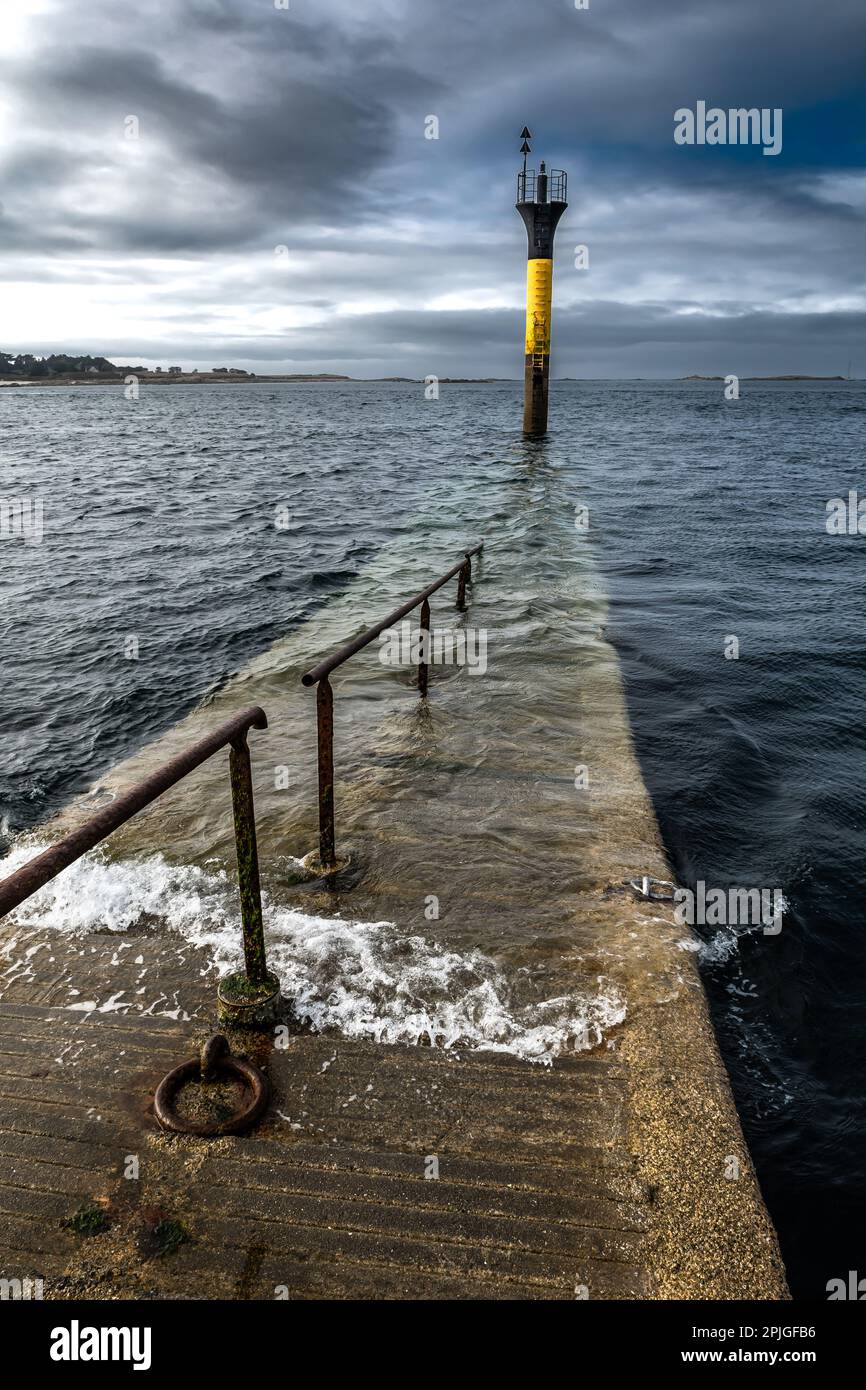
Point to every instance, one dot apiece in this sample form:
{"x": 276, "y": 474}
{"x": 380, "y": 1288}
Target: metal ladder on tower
{"x": 539, "y": 335}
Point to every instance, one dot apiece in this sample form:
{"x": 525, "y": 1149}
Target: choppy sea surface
{"x": 199, "y": 526}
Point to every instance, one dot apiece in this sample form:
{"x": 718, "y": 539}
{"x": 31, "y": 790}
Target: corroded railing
{"x": 46, "y": 866}
{"x": 325, "y": 696}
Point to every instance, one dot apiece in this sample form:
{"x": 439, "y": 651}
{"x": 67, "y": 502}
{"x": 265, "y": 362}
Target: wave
{"x": 364, "y": 979}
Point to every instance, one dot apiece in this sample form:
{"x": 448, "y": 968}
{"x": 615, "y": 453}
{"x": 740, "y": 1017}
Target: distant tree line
{"x": 25, "y": 364}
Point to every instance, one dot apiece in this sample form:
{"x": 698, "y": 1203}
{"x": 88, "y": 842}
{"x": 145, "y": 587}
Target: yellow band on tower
{"x": 539, "y": 296}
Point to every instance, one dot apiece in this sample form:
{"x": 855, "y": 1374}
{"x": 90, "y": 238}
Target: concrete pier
{"x": 620, "y": 1171}
{"x": 380, "y": 1172}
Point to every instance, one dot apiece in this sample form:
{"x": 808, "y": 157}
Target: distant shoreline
{"x": 226, "y": 379}
{"x": 209, "y": 379}
{"x": 791, "y": 376}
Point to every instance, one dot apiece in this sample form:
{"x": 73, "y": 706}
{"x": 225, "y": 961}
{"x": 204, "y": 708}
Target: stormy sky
{"x": 282, "y": 210}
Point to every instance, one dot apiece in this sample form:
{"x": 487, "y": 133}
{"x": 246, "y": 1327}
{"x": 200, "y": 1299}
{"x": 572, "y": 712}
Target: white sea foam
{"x": 720, "y": 947}
{"x": 366, "y": 979}
{"x": 725, "y": 943}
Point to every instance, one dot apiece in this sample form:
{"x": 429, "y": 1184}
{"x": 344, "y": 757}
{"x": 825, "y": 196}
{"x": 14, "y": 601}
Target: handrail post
{"x": 249, "y": 886}
{"x": 424, "y": 643}
{"x": 47, "y": 865}
{"x": 317, "y": 675}
{"x": 465, "y": 577}
{"x": 325, "y": 720}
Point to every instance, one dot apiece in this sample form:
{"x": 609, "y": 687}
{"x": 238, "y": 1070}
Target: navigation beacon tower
{"x": 540, "y": 202}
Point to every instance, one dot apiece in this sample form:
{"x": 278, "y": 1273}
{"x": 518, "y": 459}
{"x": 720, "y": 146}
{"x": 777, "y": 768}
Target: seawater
{"x": 705, "y": 522}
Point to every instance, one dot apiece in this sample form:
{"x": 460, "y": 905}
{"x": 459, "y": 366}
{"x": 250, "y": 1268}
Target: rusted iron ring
{"x": 215, "y": 1060}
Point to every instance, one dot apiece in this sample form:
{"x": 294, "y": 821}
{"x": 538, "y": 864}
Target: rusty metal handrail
{"x": 46, "y": 866}
{"x": 330, "y": 663}
{"x": 318, "y": 676}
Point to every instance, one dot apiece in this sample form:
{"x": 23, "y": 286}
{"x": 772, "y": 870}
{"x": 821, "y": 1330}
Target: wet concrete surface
{"x": 618, "y": 1171}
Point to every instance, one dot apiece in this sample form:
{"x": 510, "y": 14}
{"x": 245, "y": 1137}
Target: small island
{"x": 790, "y": 376}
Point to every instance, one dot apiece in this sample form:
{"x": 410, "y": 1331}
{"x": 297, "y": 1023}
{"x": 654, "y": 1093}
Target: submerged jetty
{"x": 602, "y": 1160}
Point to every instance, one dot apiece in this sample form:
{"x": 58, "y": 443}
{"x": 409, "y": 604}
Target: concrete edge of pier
{"x": 709, "y": 1233}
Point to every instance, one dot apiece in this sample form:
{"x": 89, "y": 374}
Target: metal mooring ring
{"x": 215, "y": 1058}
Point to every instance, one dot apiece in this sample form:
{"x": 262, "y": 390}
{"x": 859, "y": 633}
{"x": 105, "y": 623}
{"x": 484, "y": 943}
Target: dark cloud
{"x": 304, "y": 129}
